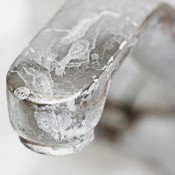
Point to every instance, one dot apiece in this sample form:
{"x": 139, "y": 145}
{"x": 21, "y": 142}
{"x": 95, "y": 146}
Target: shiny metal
{"x": 58, "y": 85}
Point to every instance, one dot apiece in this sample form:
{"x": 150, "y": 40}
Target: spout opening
{"x": 55, "y": 150}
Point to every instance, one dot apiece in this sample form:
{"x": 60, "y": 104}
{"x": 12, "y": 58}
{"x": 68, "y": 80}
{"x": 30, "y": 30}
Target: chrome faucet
{"x": 57, "y": 87}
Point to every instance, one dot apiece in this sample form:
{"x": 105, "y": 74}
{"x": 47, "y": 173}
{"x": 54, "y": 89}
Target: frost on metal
{"x": 57, "y": 86}
{"x": 22, "y": 93}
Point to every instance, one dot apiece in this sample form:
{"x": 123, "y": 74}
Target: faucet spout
{"x": 58, "y": 85}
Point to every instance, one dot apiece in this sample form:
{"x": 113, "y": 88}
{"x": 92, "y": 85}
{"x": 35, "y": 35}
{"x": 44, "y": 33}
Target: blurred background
{"x": 130, "y": 143}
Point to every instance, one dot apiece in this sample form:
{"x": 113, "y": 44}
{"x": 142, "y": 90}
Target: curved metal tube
{"x": 58, "y": 85}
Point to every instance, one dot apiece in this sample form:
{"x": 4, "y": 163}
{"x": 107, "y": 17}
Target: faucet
{"x": 58, "y": 85}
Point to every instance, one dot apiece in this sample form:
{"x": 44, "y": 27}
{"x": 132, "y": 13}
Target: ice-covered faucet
{"x": 58, "y": 85}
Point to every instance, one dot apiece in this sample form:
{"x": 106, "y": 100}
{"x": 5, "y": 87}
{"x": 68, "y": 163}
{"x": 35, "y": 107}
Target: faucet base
{"x": 65, "y": 149}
